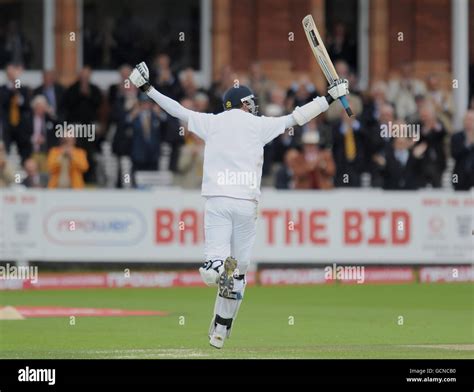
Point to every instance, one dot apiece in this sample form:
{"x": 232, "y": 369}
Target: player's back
{"x": 233, "y": 157}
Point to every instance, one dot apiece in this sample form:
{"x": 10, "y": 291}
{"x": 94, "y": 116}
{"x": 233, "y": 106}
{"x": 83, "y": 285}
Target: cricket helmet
{"x": 235, "y": 97}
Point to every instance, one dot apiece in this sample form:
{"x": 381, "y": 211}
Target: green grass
{"x": 356, "y": 321}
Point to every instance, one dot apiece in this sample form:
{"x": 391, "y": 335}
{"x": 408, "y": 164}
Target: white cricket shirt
{"x": 233, "y": 155}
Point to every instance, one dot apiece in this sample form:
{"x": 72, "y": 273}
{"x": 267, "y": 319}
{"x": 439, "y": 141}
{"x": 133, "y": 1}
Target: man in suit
{"x": 53, "y": 91}
{"x": 348, "y": 147}
{"x": 34, "y": 179}
{"x": 401, "y": 165}
{"x": 41, "y": 127}
{"x": 15, "y": 102}
{"x": 146, "y": 122}
{"x": 462, "y": 150}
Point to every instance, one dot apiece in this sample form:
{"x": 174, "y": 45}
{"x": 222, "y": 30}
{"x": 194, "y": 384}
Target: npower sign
{"x": 103, "y": 226}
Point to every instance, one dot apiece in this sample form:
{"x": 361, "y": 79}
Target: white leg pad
{"x": 226, "y": 309}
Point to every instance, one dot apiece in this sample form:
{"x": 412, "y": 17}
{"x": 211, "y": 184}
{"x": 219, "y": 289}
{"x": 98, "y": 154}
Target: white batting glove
{"x": 140, "y": 77}
{"x": 338, "y": 88}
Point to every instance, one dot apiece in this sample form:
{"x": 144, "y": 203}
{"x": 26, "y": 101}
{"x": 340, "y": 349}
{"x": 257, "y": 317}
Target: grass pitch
{"x": 336, "y": 321}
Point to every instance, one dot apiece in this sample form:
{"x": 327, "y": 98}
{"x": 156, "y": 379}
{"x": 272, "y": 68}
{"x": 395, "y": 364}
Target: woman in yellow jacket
{"x": 67, "y": 165}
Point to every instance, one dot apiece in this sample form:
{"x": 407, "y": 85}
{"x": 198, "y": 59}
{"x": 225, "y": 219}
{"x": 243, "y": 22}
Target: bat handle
{"x": 346, "y": 106}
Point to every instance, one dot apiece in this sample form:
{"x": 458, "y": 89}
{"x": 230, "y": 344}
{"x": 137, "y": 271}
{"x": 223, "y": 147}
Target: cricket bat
{"x": 322, "y": 56}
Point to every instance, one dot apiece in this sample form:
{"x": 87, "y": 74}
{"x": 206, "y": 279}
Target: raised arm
{"x": 140, "y": 78}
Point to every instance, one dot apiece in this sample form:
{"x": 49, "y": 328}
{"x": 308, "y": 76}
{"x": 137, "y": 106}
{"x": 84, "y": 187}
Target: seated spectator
{"x": 190, "y": 163}
{"x": 7, "y": 175}
{"x": 403, "y": 90}
{"x": 67, "y": 165}
{"x": 348, "y": 144}
{"x": 319, "y": 160}
{"x": 434, "y": 159}
{"x": 53, "y": 92}
{"x": 462, "y": 150}
{"x": 146, "y": 123}
{"x": 34, "y": 179}
{"x": 401, "y": 164}
{"x": 42, "y": 128}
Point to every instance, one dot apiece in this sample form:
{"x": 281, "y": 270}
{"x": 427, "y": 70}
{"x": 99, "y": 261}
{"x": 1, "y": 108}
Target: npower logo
{"x": 95, "y": 226}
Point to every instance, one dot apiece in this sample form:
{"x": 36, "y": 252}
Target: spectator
{"x": 402, "y": 91}
{"x": 375, "y": 144}
{"x": 188, "y": 83}
{"x": 372, "y": 107}
{"x": 220, "y": 86}
{"x": 303, "y": 91}
{"x": 462, "y": 150}
{"x": 401, "y": 164}
{"x": 341, "y": 47}
{"x": 146, "y": 121}
{"x": 81, "y": 105}
{"x": 295, "y": 173}
{"x": 201, "y": 102}
{"x": 67, "y": 165}
{"x": 434, "y": 159}
{"x": 34, "y": 179}
{"x": 122, "y": 98}
{"x": 259, "y": 84}
{"x": 15, "y": 101}
{"x": 319, "y": 161}
{"x": 293, "y": 166}
{"x": 53, "y": 92}
{"x": 7, "y": 176}
{"x": 42, "y": 128}
{"x": 441, "y": 99}
{"x": 82, "y": 99}
{"x": 164, "y": 78}
{"x": 191, "y": 160}
{"x": 348, "y": 151}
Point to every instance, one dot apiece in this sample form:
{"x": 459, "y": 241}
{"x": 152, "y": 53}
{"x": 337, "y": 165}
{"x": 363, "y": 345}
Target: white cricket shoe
{"x": 218, "y": 336}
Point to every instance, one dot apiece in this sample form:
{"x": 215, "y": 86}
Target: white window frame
{"x": 363, "y": 55}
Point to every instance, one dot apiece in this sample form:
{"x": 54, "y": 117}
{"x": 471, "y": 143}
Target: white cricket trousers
{"x": 230, "y": 229}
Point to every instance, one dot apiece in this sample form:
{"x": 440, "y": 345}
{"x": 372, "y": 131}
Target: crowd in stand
{"x": 332, "y": 150}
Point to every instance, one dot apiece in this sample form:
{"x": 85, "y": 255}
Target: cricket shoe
{"x": 218, "y": 336}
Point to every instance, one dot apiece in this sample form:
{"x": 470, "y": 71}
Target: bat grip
{"x": 346, "y": 106}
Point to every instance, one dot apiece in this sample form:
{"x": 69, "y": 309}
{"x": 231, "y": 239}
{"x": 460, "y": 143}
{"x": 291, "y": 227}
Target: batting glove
{"x": 140, "y": 77}
{"x": 338, "y": 88}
